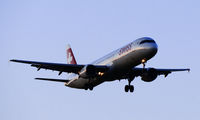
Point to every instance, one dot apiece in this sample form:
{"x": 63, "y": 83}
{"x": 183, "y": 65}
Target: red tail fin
{"x": 70, "y": 56}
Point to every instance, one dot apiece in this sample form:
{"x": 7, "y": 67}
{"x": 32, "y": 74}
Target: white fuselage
{"x": 119, "y": 62}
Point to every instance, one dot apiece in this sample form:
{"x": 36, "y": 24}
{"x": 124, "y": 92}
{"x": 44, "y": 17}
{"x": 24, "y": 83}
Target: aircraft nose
{"x": 153, "y": 48}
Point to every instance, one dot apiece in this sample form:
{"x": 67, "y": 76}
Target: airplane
{"x": 117, "y": 65}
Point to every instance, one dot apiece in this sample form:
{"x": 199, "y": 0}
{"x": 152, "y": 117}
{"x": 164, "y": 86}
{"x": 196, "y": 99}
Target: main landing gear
{"x": 89, "y": 86}
{"x": 129, "y": 87}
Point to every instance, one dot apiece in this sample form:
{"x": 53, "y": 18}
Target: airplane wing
{"x": 165, "y": 72}
{"x": 70, "y": 68}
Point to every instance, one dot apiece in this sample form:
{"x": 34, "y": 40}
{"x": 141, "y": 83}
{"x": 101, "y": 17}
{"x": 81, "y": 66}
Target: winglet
{"x": 70, "y": 56}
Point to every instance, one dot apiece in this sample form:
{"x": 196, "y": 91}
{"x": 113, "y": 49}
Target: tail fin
{"x": 70, "y": 56}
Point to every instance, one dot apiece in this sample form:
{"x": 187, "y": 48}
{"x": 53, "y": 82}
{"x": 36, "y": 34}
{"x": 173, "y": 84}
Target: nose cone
{"x": 153, "y": 47}
{"x": 149, "y": 46}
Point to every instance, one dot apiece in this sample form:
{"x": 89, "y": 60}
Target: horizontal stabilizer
{"x": 55, "y": 80}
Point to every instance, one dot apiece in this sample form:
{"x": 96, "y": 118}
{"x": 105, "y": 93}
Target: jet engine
{"x": 91, "y": 71}
{"x": 149, "y": 75}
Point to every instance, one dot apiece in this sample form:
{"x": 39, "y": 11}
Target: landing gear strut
{"x": 143, "y": 61}
{"x": 129, "y": 87}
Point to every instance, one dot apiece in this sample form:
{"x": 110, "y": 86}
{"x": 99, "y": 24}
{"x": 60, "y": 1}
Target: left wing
{"x": 165, "y": 72}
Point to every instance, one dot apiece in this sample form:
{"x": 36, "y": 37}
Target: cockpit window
{"x": 147, "y": 41}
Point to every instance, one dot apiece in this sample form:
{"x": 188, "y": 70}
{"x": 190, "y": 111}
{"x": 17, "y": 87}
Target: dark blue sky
{"x": 40, "y": 30}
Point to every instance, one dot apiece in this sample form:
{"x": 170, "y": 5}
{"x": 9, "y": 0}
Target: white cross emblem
{"x": 69, "y": 60}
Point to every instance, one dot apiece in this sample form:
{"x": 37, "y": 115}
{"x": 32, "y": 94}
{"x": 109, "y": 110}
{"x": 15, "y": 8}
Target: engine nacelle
{"x": 91, "y": 71}
{"x": 149, "y": 75}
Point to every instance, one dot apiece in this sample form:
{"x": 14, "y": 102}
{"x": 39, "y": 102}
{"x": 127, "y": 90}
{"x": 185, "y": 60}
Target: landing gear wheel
{"x": 131, "y": 88}
{"x": 88, "y": 86}
{"x": 91, "y": 88}
{"x": 126, "y": 88}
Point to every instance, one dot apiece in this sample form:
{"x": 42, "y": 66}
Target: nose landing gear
{"x": 143, "y": 61}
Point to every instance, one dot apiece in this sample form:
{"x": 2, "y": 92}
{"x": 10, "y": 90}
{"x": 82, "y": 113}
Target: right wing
{"x": 70, "y": 68}
{"x": 136, "y": 72}
{"x": 165, "y": 72}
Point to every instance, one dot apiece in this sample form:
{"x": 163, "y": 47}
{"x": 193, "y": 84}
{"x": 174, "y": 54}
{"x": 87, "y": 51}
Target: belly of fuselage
{"x": 77, "y": 83}
{"x": 81, "y": 83}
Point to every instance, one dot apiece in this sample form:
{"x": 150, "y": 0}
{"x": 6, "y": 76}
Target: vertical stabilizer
{"x": 70, "y": 56}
